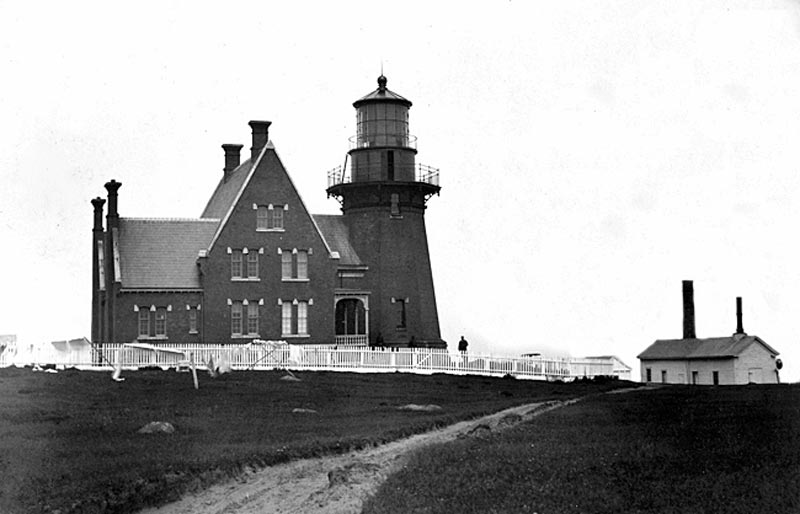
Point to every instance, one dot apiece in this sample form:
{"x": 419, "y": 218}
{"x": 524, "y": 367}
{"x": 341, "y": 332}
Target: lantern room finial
{"x": 381, "y": 83}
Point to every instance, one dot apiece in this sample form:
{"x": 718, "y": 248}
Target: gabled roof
{"x": 162, "y": 253}
{"x": 227, "y": 196}
{"x": 226, "y": 192}
{"x": 711, "y": 348}
{"x": 337, "y": 235}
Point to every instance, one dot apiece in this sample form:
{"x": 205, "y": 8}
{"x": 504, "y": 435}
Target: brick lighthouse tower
{"x": 383, "y": 195}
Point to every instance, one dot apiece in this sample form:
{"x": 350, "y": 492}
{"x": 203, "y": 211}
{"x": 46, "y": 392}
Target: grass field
{"x": 669, "y": 450}
{"x": 69, "y": 441}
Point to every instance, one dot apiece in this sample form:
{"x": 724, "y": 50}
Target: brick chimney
{"x": 739, "y": 325}
{"x": 112, "y": 216}
{"x": 688, "y": 310}
{"x": 98, "y": 214}
{"x": 232, "y": 159}
{"x": 260, "y": 137}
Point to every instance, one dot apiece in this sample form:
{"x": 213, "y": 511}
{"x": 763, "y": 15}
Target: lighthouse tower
{"x": 383, "y": 194}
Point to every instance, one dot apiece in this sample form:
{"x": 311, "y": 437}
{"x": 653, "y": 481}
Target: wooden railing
{"x": 352, "y": 340}
{"x": 278, "y": 355}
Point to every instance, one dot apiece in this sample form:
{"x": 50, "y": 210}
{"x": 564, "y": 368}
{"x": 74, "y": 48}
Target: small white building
{"x": 730, "y": 360}
{"x": 736, "y": 359}
{"x": 621, "y": 370}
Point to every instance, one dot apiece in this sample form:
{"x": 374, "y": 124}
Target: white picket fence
{"x": 278, "y": 355}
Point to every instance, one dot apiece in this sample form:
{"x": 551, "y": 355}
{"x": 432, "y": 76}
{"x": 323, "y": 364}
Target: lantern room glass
{"x": 382, "y": 124}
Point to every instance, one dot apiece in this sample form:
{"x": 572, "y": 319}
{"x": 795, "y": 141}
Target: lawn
{"x": 669, "y": 450}
{"x": 69, "y": 441}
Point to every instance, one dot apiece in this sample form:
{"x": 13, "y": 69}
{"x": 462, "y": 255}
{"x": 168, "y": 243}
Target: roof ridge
{"x": 205, "y": 220}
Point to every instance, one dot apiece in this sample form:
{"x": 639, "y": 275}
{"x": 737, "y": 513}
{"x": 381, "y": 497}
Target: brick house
{"x": 257, "y": 264}
{"x": 728, "y": 360}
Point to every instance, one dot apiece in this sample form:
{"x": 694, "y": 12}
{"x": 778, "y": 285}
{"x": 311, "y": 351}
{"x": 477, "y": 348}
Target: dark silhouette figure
{"x": 462, "y": 344}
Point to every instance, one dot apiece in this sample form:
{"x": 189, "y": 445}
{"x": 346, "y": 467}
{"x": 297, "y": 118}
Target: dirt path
{"x": 336, "y": 484}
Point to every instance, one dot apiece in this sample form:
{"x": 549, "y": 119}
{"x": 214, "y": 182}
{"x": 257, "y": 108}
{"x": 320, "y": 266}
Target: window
{"x": 236, "y": 264}
{"x": 252, "y": 319}
{"x": 252, "y": 265}
{"x": 236, "y": 319}
{"x": 192, "y": 319}
{"x": 401, "y": 321}
{"x": 302, "y": 318}
{"x": 395, "y": 199}
{"x": 291, "y": 311}
{"x": 294, "y": 265}
{"x": 144, "y": 322}
{"x": 276, "y": 222}
{"x": 286, "y": 318}
{"x": 244, "y": 268}
{"x": 161, "y": 322}
{"x": 649, "y": 373}
{"x": 269, "y": 217}
{"x": 261, "y": 218}
{"x": 302, "y": 265}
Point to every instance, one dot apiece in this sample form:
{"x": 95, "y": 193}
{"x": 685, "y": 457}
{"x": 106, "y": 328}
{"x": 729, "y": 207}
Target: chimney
{"x": 113, "y": 215}
{"x": 232, "y": 158}
{"x": 688, "y": 310}
{"x": 739, "y": 325}
{"x": 260, "y": 137}
{"x": 98, "y": 214}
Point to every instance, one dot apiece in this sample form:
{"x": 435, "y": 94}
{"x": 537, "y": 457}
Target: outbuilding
{"x": 730, "y": 360}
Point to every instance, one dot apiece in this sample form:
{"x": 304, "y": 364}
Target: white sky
{"x": 592, "y": 154}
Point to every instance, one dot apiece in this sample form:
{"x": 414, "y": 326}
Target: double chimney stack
{"x": 260, "y": 130}
{"x": 688, "y": 312}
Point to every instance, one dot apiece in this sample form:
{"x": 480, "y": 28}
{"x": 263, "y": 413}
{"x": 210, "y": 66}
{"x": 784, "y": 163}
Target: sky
{"x": 593, "y": 154}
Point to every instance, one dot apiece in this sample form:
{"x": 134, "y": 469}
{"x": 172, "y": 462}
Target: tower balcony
{"x": 363, "y": 141}
{"x": 344, "y": 174}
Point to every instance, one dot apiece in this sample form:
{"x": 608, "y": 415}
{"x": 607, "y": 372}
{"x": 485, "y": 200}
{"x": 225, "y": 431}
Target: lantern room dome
{"x": 382, "y": 94}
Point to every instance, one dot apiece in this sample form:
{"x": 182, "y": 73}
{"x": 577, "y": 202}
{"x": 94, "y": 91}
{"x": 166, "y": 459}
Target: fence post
{"x": 194, "y": 370}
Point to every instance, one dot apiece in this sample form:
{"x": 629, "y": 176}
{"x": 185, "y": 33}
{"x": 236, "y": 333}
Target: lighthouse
{"x": 383, "y": 194}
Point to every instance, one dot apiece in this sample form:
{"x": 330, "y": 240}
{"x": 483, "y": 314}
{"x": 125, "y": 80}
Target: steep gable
{"x": 270, "y": 177}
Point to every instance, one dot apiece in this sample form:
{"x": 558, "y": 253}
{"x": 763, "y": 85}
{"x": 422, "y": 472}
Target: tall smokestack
{"x": 688, "y": 310}
{"x": 739, "y": 325}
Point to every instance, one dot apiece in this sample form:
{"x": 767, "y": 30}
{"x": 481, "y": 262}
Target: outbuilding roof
{"x": 162, "y": 253}
{"x": 337, "y": 235}
{"x": 710, "y": 348}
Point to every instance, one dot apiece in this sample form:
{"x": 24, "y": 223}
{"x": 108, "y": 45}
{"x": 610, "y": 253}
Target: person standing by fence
{"x": 462, "y": 345}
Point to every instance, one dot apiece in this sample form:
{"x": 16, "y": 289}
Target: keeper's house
{"x": 257, "y": 264}
{"x": 735, "y": 359}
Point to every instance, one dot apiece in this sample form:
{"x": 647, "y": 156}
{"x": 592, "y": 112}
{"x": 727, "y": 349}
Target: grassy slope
{"x": 69, "y": 441}
{"x": 675, "y": 449}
